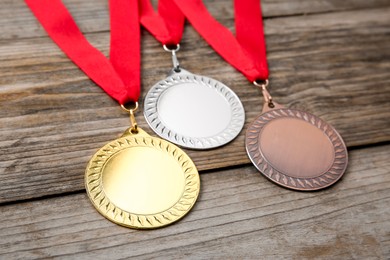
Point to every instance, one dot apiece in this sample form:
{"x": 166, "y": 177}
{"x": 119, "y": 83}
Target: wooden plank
{"x": 239, "y": 214}
{"x": 53, "y": 118}
{"x": 17, "y": 22}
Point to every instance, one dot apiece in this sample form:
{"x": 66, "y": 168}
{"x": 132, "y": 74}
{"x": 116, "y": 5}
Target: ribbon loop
{"x": 166, "y": 25}
{"x": 246, "y": 51}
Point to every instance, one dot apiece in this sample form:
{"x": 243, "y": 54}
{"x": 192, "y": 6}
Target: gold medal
{"x": 142, "y": 182}
{"x": 137, "y": 181}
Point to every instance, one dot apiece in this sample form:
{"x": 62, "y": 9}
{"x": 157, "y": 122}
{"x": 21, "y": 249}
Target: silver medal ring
{"x": 194, "y": 111}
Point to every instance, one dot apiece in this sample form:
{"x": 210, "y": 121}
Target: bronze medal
{"x": 292, "y": 148}
{"x": 295, "y": 149}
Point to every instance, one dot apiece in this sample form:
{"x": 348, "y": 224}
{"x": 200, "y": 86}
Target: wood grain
{"x": 329, "y": 57}
{"x": 53, "y": 118}
{"x": 239, "y": 215}
{"x": 16, "y": 21}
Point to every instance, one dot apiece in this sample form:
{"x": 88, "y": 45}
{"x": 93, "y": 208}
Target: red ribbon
{"x": 119, "y": 76}
{"x": 246, "y": 51}
{"x": 167, "y": 24}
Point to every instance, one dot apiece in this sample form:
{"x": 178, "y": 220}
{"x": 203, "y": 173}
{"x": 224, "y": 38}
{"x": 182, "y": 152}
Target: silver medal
{"x": 193, "y": 111}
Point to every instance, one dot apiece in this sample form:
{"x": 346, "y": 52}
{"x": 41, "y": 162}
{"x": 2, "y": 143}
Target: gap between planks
{"x": 239, "y": 214}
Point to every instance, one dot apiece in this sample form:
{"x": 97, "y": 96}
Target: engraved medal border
{"x": 224, "y": 137}
{"x": 95, "y": 190}
{"x": 331, "y": 176}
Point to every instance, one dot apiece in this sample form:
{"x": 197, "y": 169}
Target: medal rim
{"x": 151, "y": 115}
{"x": 331, "y": 175}
{"x": 107, "y": 208}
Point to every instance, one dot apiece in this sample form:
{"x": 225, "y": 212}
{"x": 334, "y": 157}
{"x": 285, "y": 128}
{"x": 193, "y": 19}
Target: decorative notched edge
{"x": 332, "y": 175}
{"x": 94, "y": 185}
{"x": 152, "y": 117}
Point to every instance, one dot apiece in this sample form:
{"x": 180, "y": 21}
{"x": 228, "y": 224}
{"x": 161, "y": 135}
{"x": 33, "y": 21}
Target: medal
{"x": 292, "y": 148}
{"x": 190, "y": 110}
{"x": 142, "y": 182}
{"x": 136, "y": 180}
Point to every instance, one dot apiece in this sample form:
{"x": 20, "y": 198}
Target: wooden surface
{"x": 331, "y": 58}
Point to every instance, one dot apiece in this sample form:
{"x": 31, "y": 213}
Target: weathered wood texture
{"x": 53, "y": 118}
{"x": 329, "y": 57}
{"x": 16, "y": 20}
{"x": 239, "y": 214}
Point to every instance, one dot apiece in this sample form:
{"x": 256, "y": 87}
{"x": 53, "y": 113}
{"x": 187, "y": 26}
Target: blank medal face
{"x": 142, "y": 182}
{"x": 135, "y": 186}
{"x": 296, "y": 149}
{"x": 194, "y": 111}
